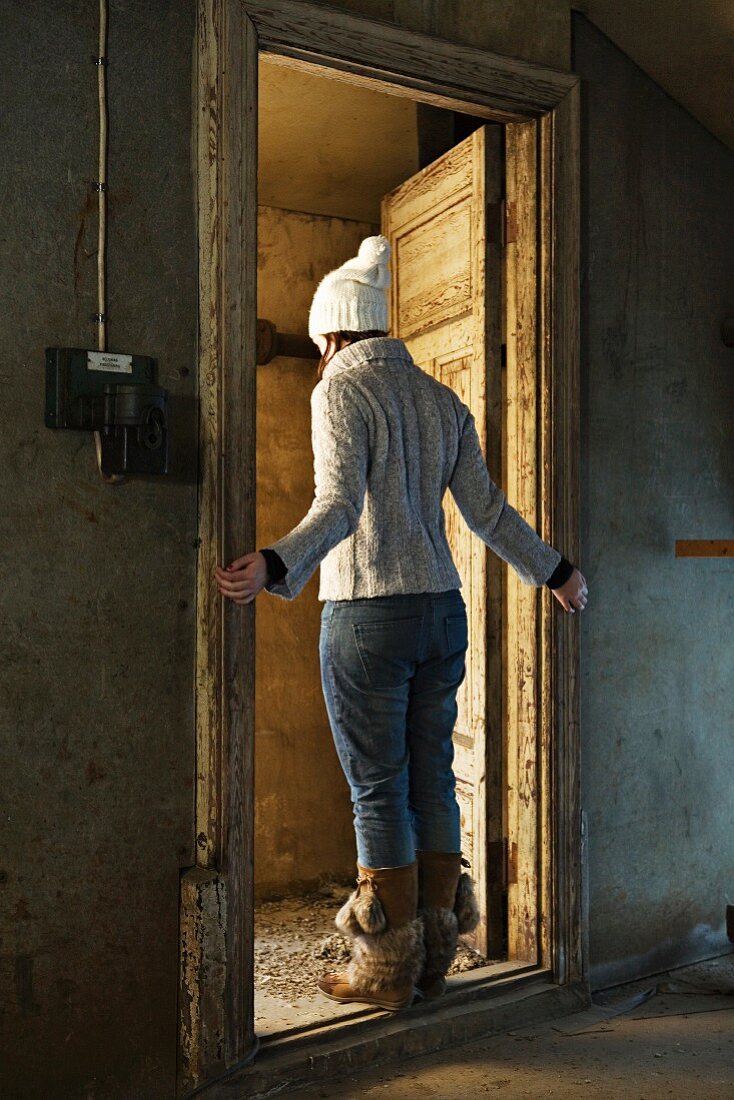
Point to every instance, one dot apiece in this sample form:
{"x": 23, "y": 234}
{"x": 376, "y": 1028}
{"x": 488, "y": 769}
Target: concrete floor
{"x": 671, "y": 1036}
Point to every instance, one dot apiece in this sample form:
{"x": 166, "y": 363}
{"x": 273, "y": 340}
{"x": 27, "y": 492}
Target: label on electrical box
{"x": 108, "y": 360}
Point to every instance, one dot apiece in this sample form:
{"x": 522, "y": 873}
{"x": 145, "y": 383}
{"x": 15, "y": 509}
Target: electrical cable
{"x": 101, "y": 63}
{"x": 101, "y": 186}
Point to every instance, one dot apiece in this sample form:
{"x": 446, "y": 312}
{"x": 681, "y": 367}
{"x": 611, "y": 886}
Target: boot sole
{"x": 389, "y": 1006}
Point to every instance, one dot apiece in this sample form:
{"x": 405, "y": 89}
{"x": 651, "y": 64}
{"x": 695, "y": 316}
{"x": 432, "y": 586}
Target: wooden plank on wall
{"x": 237, "y": 520}
{"x": 523, "y": 485}
{"x": 216, "y": 1001}
{"x": 704, "y": 548}
{"x": 569, "y": 961}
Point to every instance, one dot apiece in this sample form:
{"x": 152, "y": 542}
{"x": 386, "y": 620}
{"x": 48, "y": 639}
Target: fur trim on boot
{"x": 465, "y": 906}
{"x": 361, "y": 912}
{"x": 441, "y": 930}
{"x": 387, "y": 950}
{"x": 441, "y": 938}
{"x": 388, "y": 960}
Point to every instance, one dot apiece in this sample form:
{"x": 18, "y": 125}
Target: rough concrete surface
{"x": 657, "y": 666}
{"x": 97, "y": 602}
{"x": 535, "y": 30}
{"x": 677, "y": 1044}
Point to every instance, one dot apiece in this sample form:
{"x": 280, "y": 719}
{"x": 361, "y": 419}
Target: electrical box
{"x": 116, "y": 395}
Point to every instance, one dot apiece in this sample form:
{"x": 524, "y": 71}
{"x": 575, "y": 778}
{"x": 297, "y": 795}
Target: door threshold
{"x": 320, "y": 1017}
{"x": 475, "y": 1006}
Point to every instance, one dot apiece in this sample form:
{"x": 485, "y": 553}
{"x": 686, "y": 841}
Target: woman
{"x": 388, "y": 440}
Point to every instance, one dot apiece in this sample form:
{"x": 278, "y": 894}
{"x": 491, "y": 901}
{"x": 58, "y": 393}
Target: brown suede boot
{"x": 380, "y": 919}
{"x": 448, "y": 908}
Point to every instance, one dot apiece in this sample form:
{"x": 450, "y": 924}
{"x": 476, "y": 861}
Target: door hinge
{"x": 502, "y": 867}
{"x": 501, "y": 222}
{"x": 495, "y": 223}
{"x": 510, "y": 222}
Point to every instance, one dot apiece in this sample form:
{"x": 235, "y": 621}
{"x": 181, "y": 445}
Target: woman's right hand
{"x": 573, "y": 594}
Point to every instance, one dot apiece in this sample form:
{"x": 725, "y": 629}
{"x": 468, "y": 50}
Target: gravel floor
{"x": 296, "y": 941}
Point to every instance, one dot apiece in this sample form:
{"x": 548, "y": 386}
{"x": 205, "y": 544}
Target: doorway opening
{"x": 338, "y": 162}
{"x": 527, "y": 851}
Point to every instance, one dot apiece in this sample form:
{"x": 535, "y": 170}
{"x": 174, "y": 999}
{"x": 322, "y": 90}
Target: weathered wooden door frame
{"x": 216, "y": 916}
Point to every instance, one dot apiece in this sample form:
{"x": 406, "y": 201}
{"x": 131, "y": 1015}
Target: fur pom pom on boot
{"x": 380, "y": 919}
{"x": 448, "y": 908}
{"x": 361, "y": 912}
{"x": 465, "y": 906}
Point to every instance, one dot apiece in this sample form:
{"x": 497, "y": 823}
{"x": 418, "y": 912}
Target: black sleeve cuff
{"x": 277, "y": 568}
{"x": 560, "y": 574}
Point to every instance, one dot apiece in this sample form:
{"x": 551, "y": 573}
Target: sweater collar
{"x": 364, "y": 351}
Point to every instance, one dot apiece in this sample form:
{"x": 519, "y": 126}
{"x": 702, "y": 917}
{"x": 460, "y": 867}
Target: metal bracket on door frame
{"x": 501, "y": 222}
{"x": 502, "y": 862}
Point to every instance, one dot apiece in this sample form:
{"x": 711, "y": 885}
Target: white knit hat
{"x": 352, "y": 297}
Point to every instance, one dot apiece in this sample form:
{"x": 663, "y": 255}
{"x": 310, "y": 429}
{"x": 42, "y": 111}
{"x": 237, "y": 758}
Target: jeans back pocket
{"x": 388, "y": 649}
{"x": 457, "y": 632}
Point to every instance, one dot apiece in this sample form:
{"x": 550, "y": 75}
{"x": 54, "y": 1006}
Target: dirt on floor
{"x": 296, "y": 942}
{"x": 670, "y": 1037}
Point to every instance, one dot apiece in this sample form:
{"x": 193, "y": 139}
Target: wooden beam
{"x": 569, "y": 963}
{"x": 426, "y": 69}
{"x": 216, "y": 991}
{"x": 704, "y": 548}
{"x": 496, "y": 755}
{"x": 523, "y": 492}
{"x": 546, "y": 487}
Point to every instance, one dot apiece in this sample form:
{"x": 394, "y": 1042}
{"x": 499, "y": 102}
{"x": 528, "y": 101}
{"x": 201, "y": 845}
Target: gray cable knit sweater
{"x": 388, "y": 440}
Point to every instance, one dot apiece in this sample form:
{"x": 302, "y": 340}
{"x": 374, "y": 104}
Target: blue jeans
{"x": 390, "y": 670}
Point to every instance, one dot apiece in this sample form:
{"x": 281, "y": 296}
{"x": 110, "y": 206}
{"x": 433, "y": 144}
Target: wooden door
{"x": 445, "y": 305}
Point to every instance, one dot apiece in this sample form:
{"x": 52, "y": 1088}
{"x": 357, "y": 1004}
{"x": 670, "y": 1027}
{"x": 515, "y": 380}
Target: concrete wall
{"x": 686, "y": 47}
{"x": 97, "y": 597}
{"x": 535, "y": 30}
{"x": 658, "y": 464}
{"x": 97, "y": 600}
{"x": 303, "y": 812}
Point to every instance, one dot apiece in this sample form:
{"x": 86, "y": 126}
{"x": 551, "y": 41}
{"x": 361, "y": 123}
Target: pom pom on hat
{"x": 374, "y": 250}
{"x": 351, "y": 298}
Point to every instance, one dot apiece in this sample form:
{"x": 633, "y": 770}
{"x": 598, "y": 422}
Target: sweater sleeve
{"x": 488, "y": 514}
{"x": 560, "y": 574}
{"x": 276, "y": 567}
{"x": 340, "y": 440}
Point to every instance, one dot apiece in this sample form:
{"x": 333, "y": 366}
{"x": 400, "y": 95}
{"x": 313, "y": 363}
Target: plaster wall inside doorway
{"x": 303, "y": 813}
{"x": 328, "y": 151}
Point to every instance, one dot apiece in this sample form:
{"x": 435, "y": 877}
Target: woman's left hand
{"x": 573, "y": 595}
{"x": 243, "y": 578}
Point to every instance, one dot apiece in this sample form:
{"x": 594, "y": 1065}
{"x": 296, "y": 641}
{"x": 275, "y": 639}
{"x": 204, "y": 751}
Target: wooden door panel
{"x": 443, "y": 265}
{"x": 425, "y": 192}
{"x": 455, "y": 371}
{"x": 435, "y": 283}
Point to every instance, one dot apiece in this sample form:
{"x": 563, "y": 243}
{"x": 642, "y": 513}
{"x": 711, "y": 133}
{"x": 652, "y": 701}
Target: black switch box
{"x": 116, "y": 395}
